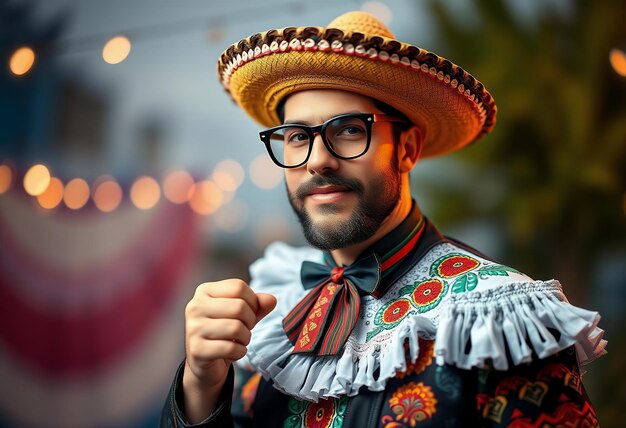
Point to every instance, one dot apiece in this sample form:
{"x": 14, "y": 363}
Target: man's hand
{"x": 218, "y": 320}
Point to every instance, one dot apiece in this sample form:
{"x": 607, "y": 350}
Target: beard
{"x": 374, "y": 205}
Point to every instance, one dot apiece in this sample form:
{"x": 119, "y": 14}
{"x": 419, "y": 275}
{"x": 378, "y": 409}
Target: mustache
{"x": 329, "y": 180}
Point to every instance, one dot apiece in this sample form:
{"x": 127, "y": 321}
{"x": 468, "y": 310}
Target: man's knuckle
{"x": 238, "y": 286}
{"x": 239, "y": 307}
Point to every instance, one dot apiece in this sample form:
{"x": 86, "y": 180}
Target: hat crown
{"x": 361, "y": 22}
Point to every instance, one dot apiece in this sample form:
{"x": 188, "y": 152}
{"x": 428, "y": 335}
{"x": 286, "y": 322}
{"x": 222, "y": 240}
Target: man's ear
{"x": 409, "y": 148}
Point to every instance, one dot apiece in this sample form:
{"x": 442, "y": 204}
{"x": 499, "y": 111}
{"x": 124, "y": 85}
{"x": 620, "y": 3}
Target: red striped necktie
{"x": 323, "y": 320}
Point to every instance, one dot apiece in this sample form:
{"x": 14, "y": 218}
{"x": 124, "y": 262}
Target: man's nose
{"x": 321, "y": 159}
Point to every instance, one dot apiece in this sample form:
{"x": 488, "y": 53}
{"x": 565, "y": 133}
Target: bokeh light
{"x": 6, "y": 178}
{"x": 177, "y": 185}
{"x": 264, "y": 173}
{"x": 145, "y": 192}
{"x": 116, "y": 50}
{"x": 36, "y": 179}
{"x": 228, "y": 175}
{"x": 617, "y": 57}
{"x": 76, "y": 193}
{"x": 224, "y": 181}
{"x": 22, "y": 61}
{"x": 53, "y": 195}
{"x": 205, "y": 197}
{"x": 379, "y": 10}
{"x": 232, "y": 217}
{"x": 107, "y": 194}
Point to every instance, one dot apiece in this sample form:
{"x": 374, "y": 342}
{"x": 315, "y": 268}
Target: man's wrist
{"x": 200, "y": 397}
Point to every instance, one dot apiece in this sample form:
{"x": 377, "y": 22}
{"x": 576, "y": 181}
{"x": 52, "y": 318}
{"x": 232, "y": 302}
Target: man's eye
{"x": 297, "y": 137}
{"x": 351, "y": 131}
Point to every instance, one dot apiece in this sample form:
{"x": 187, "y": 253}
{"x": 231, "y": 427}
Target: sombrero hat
{"x": 358, "y": 53}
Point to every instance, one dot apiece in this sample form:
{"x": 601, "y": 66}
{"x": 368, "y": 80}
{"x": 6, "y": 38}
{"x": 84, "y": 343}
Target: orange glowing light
{"x": 232, "y": 171}
{"x": 264, "y": 173}
{"x": 116, "y": 50}
{"x": 107, "y": 194}
{"x": 205, "y": 197}
{"x": 176, "y": 186}
{"x": 6, "y": 178}
{"x": 617, "y": 57}
{"x": 53, "y": 195}
{"x": 225, "y": 181}
{"x": 22, "y": 61}
{"x": 76, "y": 193}
{"x": 36, "y": 180}
{"x": 145, "y": 192}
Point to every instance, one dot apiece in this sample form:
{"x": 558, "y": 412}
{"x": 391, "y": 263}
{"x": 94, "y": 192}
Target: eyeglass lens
{"x": 346, "y": 137}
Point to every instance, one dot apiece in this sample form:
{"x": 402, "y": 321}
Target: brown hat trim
{"x": 376, "y": 48}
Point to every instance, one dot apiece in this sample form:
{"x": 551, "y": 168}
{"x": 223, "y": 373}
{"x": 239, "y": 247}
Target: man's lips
{"x": 328, "y": 194}
{"x": 327, "y": 189}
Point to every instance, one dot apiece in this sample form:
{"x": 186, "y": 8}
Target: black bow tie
{"x": 324, "y": 319}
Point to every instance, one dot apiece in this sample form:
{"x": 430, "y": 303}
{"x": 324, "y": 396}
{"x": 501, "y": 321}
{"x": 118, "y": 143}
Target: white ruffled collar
{"x": 504, "y": 309}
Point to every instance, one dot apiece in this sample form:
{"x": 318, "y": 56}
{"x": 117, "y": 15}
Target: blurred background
{"x": 128, "y": 177}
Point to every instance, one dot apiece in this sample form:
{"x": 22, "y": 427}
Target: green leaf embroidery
{"x": 407, "y": 289}
{"x": 472, "y": 281}
{"x": 495, "y": 270}
{"x": 460, "y": 285}
{"x": 296, "y": 406}
{"x": 373, "y": 333}
{"x": 293, "y": 421}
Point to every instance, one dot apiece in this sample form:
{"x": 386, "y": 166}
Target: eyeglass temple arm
{"x": 387, "y": 118}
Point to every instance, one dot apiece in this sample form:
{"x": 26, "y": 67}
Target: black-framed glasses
{"x": 346, "y": 136}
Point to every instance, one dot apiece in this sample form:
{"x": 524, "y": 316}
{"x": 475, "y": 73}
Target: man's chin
{"x": 329, "y": 215}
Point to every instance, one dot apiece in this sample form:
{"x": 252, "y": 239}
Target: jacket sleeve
{"x": 172, "y": 415}
{"x": 544, "y": 392}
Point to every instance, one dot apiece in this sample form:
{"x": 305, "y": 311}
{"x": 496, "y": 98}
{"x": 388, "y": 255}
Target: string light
{"x": 205, "y": 197}
{"x": 228, "y": 174}
{"x": 617, "y": 58}
{"x": 145, "y": 192}
{"x": 36, "y": 180}
{"x": 107, "y": 194}
{"x": 22, "y": 61}
{"x": 6, "y": 178}
{"x": 176, "y": 186}
{"x": 76, "y": 193}
{"x": 116, "y": 50}
{"x": 53, "y": 195}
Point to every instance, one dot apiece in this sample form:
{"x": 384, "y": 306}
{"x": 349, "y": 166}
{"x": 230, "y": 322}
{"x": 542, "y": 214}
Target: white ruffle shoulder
{"x": 473, "y": 308}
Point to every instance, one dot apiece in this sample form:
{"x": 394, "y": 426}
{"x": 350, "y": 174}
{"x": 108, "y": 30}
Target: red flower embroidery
{"x": 457, "y": 265}
{"x": 320, "y": 414}
{"x": 413, "y": 402}
{"x": 427, "y": 292}
{"x": 396, "y": 311}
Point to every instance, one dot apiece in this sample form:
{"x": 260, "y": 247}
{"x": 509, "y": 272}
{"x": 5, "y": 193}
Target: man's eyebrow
{"x": 309, "y": 123}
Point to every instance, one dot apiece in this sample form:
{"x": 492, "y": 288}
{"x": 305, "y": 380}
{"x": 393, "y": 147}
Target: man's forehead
{"x": 317, "y": 105}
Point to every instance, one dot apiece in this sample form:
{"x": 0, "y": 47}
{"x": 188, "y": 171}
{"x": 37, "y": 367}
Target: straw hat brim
{"x": 450, "y": 106}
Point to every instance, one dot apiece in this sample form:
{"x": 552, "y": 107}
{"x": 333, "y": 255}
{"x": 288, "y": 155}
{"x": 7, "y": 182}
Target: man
{"x": 388, "y": 323}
